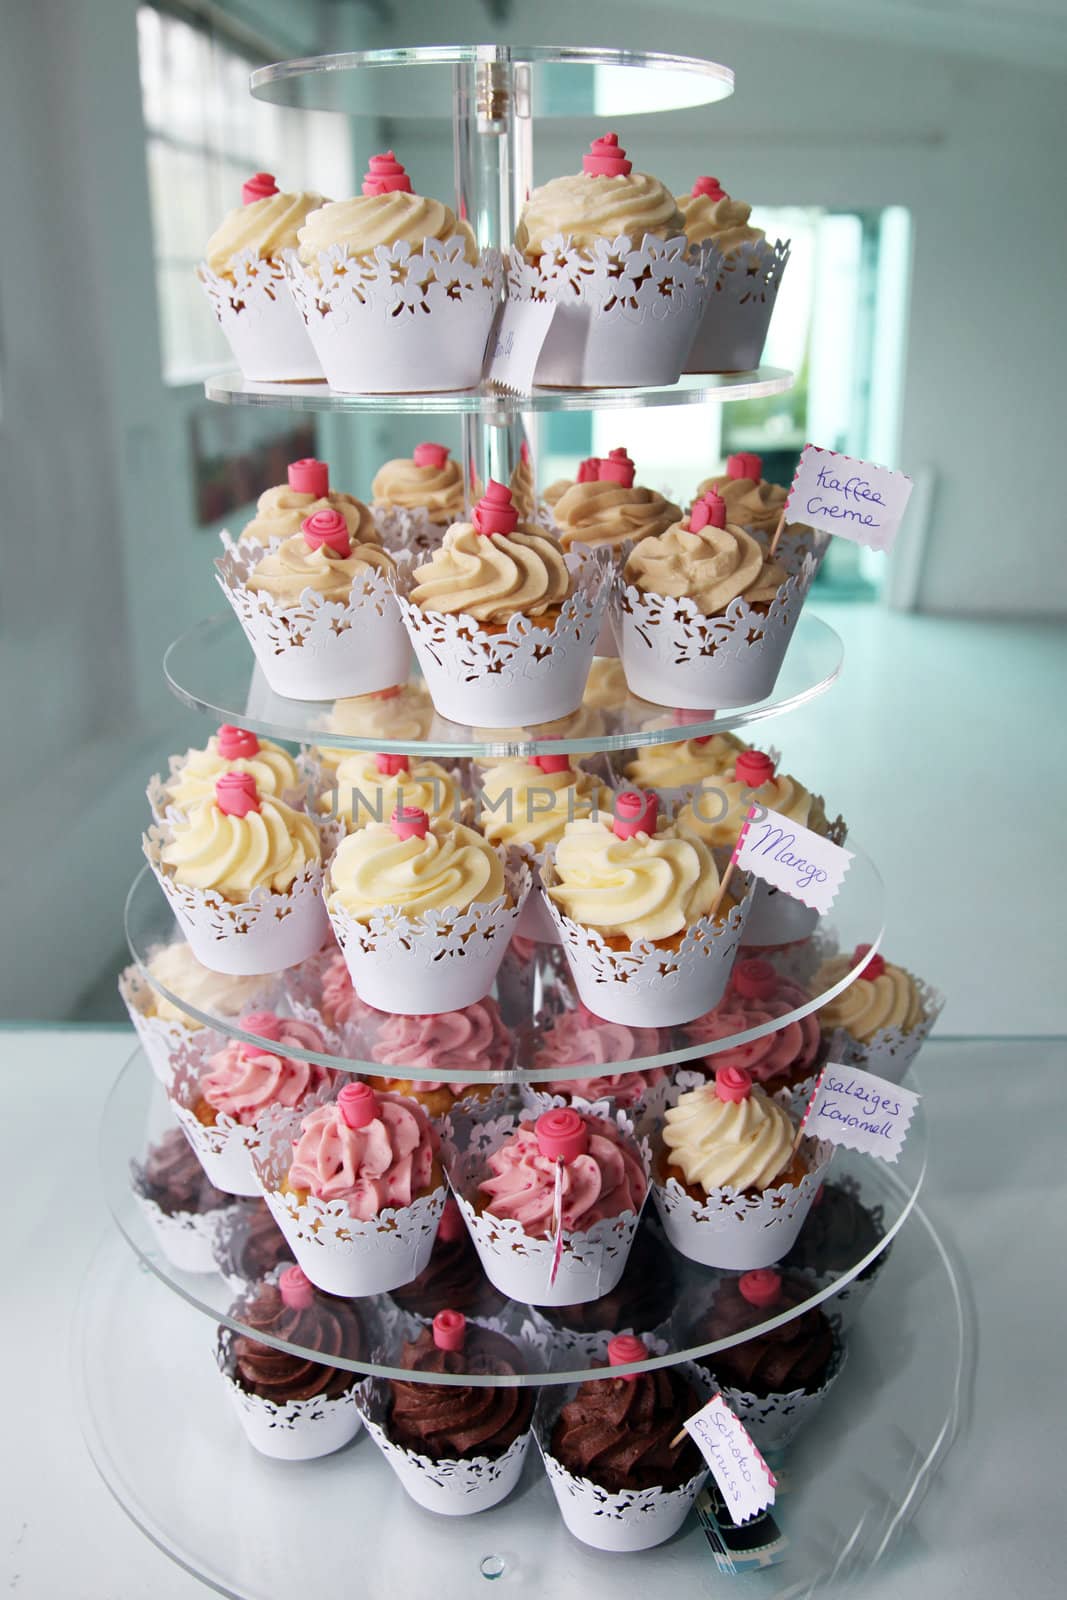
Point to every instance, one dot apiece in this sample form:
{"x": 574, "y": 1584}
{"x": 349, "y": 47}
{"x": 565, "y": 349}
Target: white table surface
{"x": 989, "y": 1526}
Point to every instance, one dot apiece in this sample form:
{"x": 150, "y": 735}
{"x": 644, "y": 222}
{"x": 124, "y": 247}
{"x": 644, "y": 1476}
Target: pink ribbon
{"x": 557, "y": 1223}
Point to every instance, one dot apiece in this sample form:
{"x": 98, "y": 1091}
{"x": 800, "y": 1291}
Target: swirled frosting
{"x": 365, "y": 794}
{"x": 556, "y": 490}
{"x": 242, "y": 1080}
{"x": 710, "y": 567}
{"x": 750, "y": 503}
{"x": 407, "y": 715}
{"x": 281, "y": 512}
{"x": 338, "y": 999}
{"x": 451, "y": 867}
{"x": 677, "y": 766}
{"x": 178, "y": 970}
{"x": 891, "y": 1000}
{"x": 255, "y": 1246}
{"x": 285, "y": 573}
{"x": 720, "y": 805}
{"x": 523, "y": 492}
{"x": 491, "y": 577}
{"x": 385, "y": 1164}
{"x": 622, "y": 1433}
{"x": 725, "y": 222}
{"x": 436, "y": 490}
{"x": 637, "y": 888}
{"x": 720, "y": 1144}
{"x": 578, "y": 1040}
{"x": 368, "y": 220}
{"x": 520, "y": 804}
{"x": 450, "y": 1422}
{"x": 273, "y": 768}
{"x": 608, "y": 1180}
{"x": 267, "y": 226}
{"x": 788, "y": 1054}
{"x": 607, "y": 514}
{"x": 265, "y": 849}
{"x": 328, "y": 1326}
{"x": 472, "y": 1039}
{"x": 584, "y": 209}
{"x": 793, "y": 1356}
{"x": 173, "y": 1179}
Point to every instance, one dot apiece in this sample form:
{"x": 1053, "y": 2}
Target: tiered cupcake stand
{"x": 156, "y": 1422}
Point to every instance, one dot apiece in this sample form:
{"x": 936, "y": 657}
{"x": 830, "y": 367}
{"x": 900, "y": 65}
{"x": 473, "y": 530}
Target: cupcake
{"x": 553, "y": 1204}
{"x": 611, "y": 509}
{"x": 705, "y": 614}
{"x": 641, "y": 1303}
{"x": 400, "y": 714}
{"x": 393, "y": 290}
{"x": 156, "y": 998}
{"x": 369, "y": 788}
{"x": 453, "y": 1277}
{"x": 785, "y": 1062}
{"x": 356, "y": 1187}
{"x": 733, "y": 1186}
{"x": 522, "y": 485}
{"x": 250, "y": 1245}
{"x": 503, "y": 631}
{"x": 243, "y": 875}
{"x": 184, "y": 1210}
{"x": 838, "y": 1231}
{"x": 881, "y": 1021}
{"x": 526, "y": 803}
{"x": 471, "y": 1040}
{"x": 193, "y": 776}
{"x": 423, "y": 912}
{"x": 608, "y": 246}
{"x": 648, "y": 934}
{"x": 456, "y": 1448}
{"x": 244, "y": 277}
{"x": 221, "y": 1099}
{"x": 776, "y": 1380}
{"x": 282, "y": 510}
{"x": 623, "y": 1470}
{"x": 756, "y": 505}
{"x": 679, "y": 768}
{"x": 339, "y": 1003}
{"x": 587, "y": 473}
{"x": 293, "y": 1407}
{"x": 318, "y": 610}
{"x": 575, "y": 1041}
{"x": 741, "y": 274}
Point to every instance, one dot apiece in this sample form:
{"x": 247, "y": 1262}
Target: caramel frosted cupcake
{"x": 417, "y": 497}
{"x": 282, "y": 510}
{"x": 742, "y": 271}
{"x": 705, "y": 559}
{"x": 882, "y": 1019}
{"x": 522, "y": 485}
{"x": 193, "y": 776}
{"x": 321, "y": 557}
{"x": 612, "y": 509}
{"x": 751, "y": 502}
{"x": 494, "y": 568}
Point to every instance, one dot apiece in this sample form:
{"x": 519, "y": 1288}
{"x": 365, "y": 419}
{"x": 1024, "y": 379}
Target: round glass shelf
{"x": 137, "y": 1113}
{"x": 548, "y": 80}
{"x": 211, "y": 669}
{"x": 692, "y": 389}
{"x": 171, "y": 1450}
{"x": 537, "y": 1003}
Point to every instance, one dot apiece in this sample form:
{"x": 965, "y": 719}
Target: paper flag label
{"x": 854, "y": 499}
{"x": 515, "y": 343}
{"x": 860, "y": 1111}
{"x": 803, "y": 864}
{"x": 743, "y": 1476}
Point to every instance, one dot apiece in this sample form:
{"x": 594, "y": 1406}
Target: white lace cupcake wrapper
{"x": 563, "y": 1349}
{"x": 774, "y": 1420}
{"x": 259, "y": 319}
{"x": 188, "y": 1239}
{"x": 892, "y": 1051}
{"x": 740, "y": 293}
{"x": 298, "y": 1430}
{"x": 160, "y": 1039}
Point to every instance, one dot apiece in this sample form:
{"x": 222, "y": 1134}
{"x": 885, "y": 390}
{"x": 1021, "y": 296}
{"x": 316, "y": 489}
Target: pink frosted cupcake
{"x": 221, "y": 1103}
{"x": 578, "y": 1040}
{"x": 553, "y": 1204}
{"x": 473, "y": 1039}
{"x": 339, "y": 1003}
{"x": 785, "y": 1062}
{"x": 357, "y": 1188}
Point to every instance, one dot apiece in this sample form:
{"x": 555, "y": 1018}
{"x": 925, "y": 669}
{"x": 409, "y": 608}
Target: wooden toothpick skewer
{"x": 778, "y": 531}
{"x": 724, "y": 883}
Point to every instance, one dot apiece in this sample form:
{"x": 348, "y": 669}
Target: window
{"x": 205, "y": 135}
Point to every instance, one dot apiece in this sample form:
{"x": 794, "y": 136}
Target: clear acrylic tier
{"x": 534, "y": 995}
{"x": 168, "y": 1445}
{"x": 559, "y": 1345}
{"x": 548, "y": 80}
{"x": 211, "y": 669}
{"x": 499, "y": 406}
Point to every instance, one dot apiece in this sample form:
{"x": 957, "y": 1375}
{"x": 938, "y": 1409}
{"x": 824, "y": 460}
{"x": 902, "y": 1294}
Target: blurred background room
{"x": 911, "y": 149}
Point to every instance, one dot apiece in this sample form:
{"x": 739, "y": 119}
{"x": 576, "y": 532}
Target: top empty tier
{"x": 549, "y": 81}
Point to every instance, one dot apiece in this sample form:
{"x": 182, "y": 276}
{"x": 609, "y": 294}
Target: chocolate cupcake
{"x": 640, "y": 1302}
{"x": 186, "y": 1213}
{"x": 796, "y": 1355}
{"x": 837, "y": 1231}
{"x": 453, "y": 1422}
{"x": 454, "y": 1277}
{"x": 251, "y": 1245}
{"x": 620, "y": 1432}
{"x": 308, "y": 1318}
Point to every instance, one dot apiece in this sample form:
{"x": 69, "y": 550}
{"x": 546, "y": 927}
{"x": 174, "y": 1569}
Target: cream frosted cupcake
{"x": 417, "y": 497}
{"x": 423, "y": 911}
{"x": 282, "y": 510}
{"x": 732, "y": 1183}
{"x": 193, "y": 776}
{"x": 393, "y": 290}
{"x": 369, "y": 788}
{"x": 154, "y": 999}
{"x": 502, "y": 629}
{"x": 881, "y": 1021}
{"x": 609, "y": 327}
{"x": 706, "y": 614}
{"x": 681, "y": 767}
{"x": 401, "y": 712}
{"x": 646, "y": 932}
{"x": 318, "y": 610}
{"x": 609, "y": 510}
{"x": 742, "y": 272}
{"x": 244, "y": 278}
{"x": 243, "y": 875}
